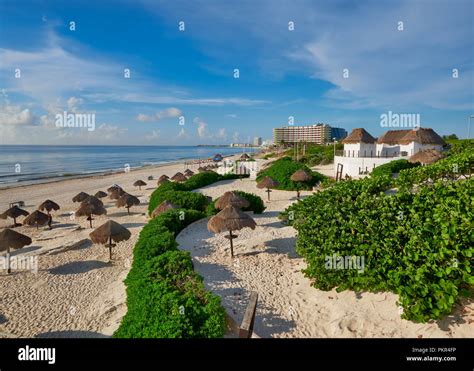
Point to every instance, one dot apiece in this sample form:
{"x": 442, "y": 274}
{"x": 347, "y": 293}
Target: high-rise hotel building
{"x": 318, "y": 133}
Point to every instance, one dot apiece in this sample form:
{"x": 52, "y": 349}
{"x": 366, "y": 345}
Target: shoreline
{"x": 186, "y": 163}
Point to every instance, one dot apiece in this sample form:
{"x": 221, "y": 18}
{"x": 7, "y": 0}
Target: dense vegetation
{"x": 165, "y": 297}
{"x": 418, "y": 244}
{"x": 281, "y": 171}
{"x": 256, "y": 204}
{"x": 180, "y": 193}
{"x": 393, "y": 167}
{"x": 316, "y": 154}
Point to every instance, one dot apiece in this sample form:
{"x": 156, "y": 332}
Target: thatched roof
{"x": 109, "y": 230}
{"x": 300, "y": 176}
{"x": 92, "y": 200}
{"x": 13, "y": 212}
{"x": 164, "y": 176}
{"x": 231, "y": 198}
{"x": 13, "y": 240}
{"x": 36, "y": 218}
{"x": 100, "y": 194}
{"x": 188, "y": 172}
{"x": 162, "y": 181}
{"x": 48, "y": 205}
{"x": 114, "y": 188}
{"x": 201, "y": 169}
{"x": 427, "y": 156}
{"x": 81, "y": 196}
{"x": 421, "y": 135}
{"x": 178, "y": 177}
{"x": 88, "y": 209}
{"x": 267, "y": 182}
{"x": 230, "y": 218}
{"x": 161, "y": 208}
{"x": 139, "y": 183}
{"x": 244, "y": 156}
{"x": 359, "y": 135}
{"x": 116, "y": 193}
{"x": 127, "y": 200}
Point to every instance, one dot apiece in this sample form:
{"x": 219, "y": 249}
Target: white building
{"x": 362, "y": 152}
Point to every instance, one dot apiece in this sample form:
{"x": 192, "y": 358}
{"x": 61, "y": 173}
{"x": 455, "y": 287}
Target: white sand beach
{"x": 78, "y": 293}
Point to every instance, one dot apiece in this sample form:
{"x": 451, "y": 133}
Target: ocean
{"x": 36, "y": 164}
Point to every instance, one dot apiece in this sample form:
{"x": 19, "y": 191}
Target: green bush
{"x": 165, "y": 297}
{"x": 180, "y": 195}
{"x": 185, "y": 199}
{"x": 393, "y": 167}
{"x": 282, "y": 170}
{"x": 256, "y": 204}
{"x": 417, "y": 245}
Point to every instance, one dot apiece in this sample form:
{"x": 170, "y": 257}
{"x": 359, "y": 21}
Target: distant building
{"x": 318, "y": 133}
{"x": 257, "y": 141}
{"x": 338, "y": 133}
{"x": 362, "y": 152}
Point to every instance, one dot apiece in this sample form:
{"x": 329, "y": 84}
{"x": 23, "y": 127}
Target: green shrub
{"x": 256, "y": 204}
{"x": 185, "y": 199}
{"x": 393, "y": 167}
{"x": 165, "y": 297}
{"x": 282, "y": 170}
{"x": 417, "y": 245}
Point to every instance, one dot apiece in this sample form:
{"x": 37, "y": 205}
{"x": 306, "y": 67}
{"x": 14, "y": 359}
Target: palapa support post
{"x": 231, "y": 244}
{"x": 8, "y": 261}
{"x": 268, "y": 193}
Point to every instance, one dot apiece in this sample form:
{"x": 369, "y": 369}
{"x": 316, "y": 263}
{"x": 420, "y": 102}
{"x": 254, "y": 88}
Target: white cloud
{"x": 167, "y": 113}
{"x": 15, "y": 115}
{"x": 201, "y": 128}
{"x": 154, "y": 135}
{"x": 221, "y": 134}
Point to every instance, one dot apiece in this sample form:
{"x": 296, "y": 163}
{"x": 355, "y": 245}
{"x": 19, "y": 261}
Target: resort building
{"x": 318, "y": 133}
{"x": 362, "y": 152}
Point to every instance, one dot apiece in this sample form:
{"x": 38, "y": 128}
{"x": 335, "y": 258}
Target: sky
{"x": 216, "y": 72}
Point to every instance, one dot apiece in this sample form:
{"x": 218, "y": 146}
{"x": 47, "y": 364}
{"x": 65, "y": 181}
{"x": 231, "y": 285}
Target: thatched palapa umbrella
{"x": 89, "y": 209}
{"x": 139, "y": 184}
{"x": 108, "y": 232}
{"x": 231, "y": 198}
{"x": 179, "y": 177}
{"x": 300, "y": 176}
{"x": 188, "y": 173}
{"x": 100, "y": 194}
{"x": 14, "y": 212}
{"x": 9, "y": 239}
{"x": 162, "y": 181}
{"x": 115, "y": 192}
{"x": 161, "y": 208}
{"x": 425, "y": 157}
{"x": 230, "y": 219}
{"x": 267, "y": 183}
{"x": 36, "y": 218}
{"x": 127, "y": 201}
{"x": 81, "y": 196}
{"x": 201, "y": 169}
{"x": 48, "y": 205}
{"x": 245, "y": 157}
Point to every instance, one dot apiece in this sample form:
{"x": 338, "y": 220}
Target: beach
{"x": 78, "y": 293}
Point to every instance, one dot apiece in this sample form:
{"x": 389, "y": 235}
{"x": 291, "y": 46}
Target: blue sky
{"x": 190, "y": 73}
